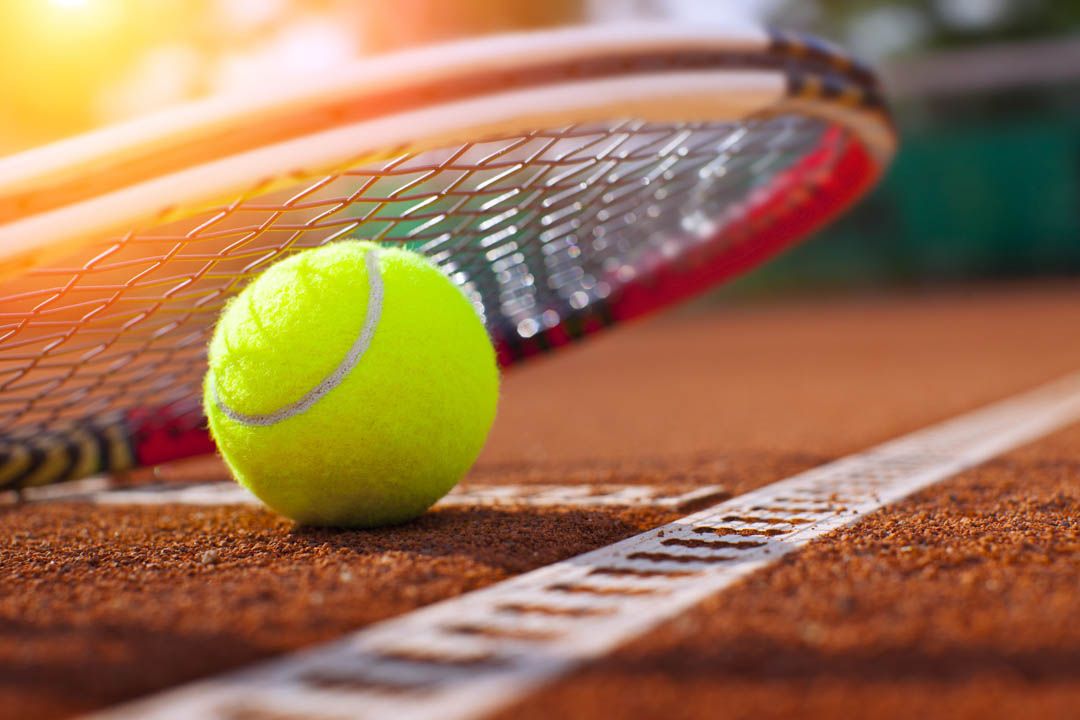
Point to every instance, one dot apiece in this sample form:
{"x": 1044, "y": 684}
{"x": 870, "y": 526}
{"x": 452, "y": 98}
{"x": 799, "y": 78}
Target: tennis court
{"x": 845, "y": 484}
{"x": 955, "y": 602}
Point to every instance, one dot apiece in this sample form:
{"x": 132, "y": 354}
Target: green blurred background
{"x": 986, "y": 185}
{"x": 986, "y": 92}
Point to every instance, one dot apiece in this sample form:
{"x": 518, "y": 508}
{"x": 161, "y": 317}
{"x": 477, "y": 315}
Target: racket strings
{"x": 534, "y": 228}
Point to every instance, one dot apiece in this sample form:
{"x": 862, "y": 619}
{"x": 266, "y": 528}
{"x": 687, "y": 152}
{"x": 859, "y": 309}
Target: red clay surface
{"x": 960, "y": 602}
{"x": 955, "y": 603}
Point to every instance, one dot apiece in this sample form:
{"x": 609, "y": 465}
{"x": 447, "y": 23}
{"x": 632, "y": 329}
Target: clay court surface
{"x": 960, "y": 601}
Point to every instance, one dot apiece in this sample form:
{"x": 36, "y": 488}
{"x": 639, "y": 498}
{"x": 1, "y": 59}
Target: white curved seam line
{"x": 331, "y": 381}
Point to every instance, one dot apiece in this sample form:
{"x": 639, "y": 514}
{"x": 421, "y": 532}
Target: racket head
{"x": 566, "y": 181}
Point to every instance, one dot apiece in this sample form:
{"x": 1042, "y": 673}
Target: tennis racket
{"x": 566, "y": 181}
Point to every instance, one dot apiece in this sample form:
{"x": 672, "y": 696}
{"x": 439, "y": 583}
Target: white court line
{"x": 473, "y": 654}
{"x": 229, "y": 493}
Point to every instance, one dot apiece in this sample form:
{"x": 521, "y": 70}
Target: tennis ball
{"x": 350, "y": 385}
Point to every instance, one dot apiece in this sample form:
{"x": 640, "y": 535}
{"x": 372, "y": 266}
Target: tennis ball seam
{"x": 376, "y": 291}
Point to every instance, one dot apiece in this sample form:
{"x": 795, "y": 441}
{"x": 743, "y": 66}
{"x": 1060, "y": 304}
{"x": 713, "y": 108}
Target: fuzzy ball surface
{"x": 350, "y": 385}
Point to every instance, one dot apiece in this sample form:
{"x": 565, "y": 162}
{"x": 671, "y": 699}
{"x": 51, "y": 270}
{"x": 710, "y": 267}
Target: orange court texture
{"x": 959, "y": 602}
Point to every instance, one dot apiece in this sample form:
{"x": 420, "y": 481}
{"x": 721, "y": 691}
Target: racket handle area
{"x": 795, "y": 204}
{"x": 158, "y": 437}
{"x": 141, "y": 438}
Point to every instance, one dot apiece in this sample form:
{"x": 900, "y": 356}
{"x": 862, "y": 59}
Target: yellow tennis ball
{"x": 350, "y": 385}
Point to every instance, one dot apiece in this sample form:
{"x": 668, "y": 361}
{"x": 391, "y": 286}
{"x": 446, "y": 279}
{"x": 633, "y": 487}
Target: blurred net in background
{"x": 539, "y": 229}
